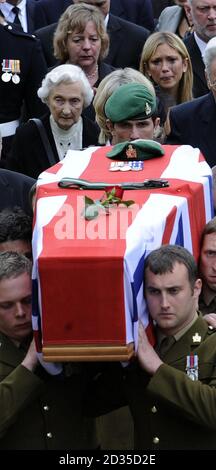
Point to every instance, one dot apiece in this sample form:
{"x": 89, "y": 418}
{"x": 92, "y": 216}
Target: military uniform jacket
{"x": 207, "y": 308}
{"x": 40, "y": 412}
{"x": 16, "y": 45}
{"x": 170, "y": 411}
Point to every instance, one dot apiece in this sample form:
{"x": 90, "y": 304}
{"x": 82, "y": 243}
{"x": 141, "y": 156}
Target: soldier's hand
{"x": 210, "y": 318}
{"x": 148, "y": 358}
{"x": 31, "y": 360}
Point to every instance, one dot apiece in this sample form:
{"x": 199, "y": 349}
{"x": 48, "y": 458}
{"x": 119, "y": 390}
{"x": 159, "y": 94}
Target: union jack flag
{"x": 88, "y": 279}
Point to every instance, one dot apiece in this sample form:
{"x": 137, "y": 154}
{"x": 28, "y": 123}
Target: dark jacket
{"x": 193, "y": 123}
{"x": 39, "y": 411}
{"x": 28, "y": 155}
{"x": 14, "y": 190}
{"x": 136, "y": 11}
{"x": 199, "y": 81}
{"x": 53, "y": 9}
{"x": 170, "y": 411}
{"x": 126, "y": 42}
{"x": 25, "y": 48}
{"x": 158, "y": 6}
{"x": 34, "y": 15}
{"x": 103, "y": 70}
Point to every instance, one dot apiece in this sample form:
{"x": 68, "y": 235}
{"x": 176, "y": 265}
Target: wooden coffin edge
{"x": 58, "y": 353}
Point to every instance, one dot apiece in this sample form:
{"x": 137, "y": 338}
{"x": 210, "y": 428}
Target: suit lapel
{"x": 30, "y": 10}
{"x": 196, "y": 58}
{"x": 208, "y": 120}
{"x": 114, "y": 31}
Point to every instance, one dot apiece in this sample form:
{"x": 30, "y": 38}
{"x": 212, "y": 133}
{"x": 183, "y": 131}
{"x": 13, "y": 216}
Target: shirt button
{"x": 49, "y": 435}
{"x": 210, "y": 327}
{"x": 46, "y": 408}
{"x": 156, "y": 440}
{"x": 154, "y": 409}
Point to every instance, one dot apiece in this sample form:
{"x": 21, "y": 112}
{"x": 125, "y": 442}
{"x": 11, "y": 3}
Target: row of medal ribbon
{"x": 11, "y": 70}
{"x": 127, "y": 166}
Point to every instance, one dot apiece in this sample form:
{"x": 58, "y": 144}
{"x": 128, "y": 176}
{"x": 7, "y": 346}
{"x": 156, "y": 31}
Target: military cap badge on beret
{"x": 130, "y": 101}
{"x": 136, "y": 150}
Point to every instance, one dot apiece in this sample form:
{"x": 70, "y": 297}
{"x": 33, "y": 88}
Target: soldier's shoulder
{"x": 13, "y": 31}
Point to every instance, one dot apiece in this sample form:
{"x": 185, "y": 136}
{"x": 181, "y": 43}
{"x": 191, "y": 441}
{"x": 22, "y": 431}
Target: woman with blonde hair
{"x": 166, "y": 62}
{"x": 81, "y": 39}
{"x": 107, "y": 86}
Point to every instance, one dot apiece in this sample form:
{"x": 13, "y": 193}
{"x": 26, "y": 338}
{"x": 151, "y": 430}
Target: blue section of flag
{"x": 180, "y": 234}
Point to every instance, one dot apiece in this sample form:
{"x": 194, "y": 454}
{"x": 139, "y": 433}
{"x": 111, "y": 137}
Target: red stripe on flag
{"x": 170, "y": 222}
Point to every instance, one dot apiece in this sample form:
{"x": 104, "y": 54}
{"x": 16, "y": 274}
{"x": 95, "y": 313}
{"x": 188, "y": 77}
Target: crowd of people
{"x": 75, "y": 74}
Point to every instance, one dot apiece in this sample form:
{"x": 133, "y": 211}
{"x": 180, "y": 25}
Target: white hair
{"x": 67, "y": 73}
{"x": 209, "y": 55}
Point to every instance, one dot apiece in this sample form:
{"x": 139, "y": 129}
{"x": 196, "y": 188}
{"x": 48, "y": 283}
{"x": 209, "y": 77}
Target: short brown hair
{"x": 210, "y": 227}
{"x": 163, "y": 259}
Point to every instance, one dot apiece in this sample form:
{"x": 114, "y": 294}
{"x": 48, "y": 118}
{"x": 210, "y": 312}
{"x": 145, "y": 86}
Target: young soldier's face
{"x": 171, "y": 300}
{"x": 132, "y": 130}
{"x": 207, "y": 264}
{"x": 15, "y": 307}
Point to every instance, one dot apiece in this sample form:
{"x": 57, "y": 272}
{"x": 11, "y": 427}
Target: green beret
{"x": 136, "y": 150}
{"x": 131, "y": 101}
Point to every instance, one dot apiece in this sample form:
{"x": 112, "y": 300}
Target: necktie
{"x": 165, "y": 345}
{"x": 16, "y": 21}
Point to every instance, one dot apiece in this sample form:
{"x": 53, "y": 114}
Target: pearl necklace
{"x": 93, "y": 74}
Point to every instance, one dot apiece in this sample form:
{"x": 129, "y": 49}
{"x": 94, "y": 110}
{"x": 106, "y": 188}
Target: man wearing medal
{"x": 170, "y": 388}
{"x": 22, "y": 68}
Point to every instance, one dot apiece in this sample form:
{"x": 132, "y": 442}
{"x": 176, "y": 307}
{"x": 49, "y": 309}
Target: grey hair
{"x": 13, "y": 264}
{"x": 209, "y": 55}
{"x": 66, "y": 73}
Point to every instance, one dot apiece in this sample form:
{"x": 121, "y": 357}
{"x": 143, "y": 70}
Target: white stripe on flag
{"x": 73, "y": 165}
{"x": 144, "y": 235}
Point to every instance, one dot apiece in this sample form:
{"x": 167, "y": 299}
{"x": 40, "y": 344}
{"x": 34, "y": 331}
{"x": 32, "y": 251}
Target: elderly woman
{"x": 42, "y": 143}
{"x": 106, "y": 88}
{"x": 166, "y": 62}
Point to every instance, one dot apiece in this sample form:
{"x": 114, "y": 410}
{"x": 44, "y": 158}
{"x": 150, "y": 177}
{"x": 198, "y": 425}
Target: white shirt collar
{"x": 6, "y": 9}
{"x": 106, "y": 19}
{"x": 65, "y": 140}
{"x": 200, "y": 43}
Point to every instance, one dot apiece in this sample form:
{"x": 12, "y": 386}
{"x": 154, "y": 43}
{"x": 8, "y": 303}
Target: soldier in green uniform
{"x": 170, "y": 389}
{"x": 38, "y": 411}
{"x": 207, "y": 269}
